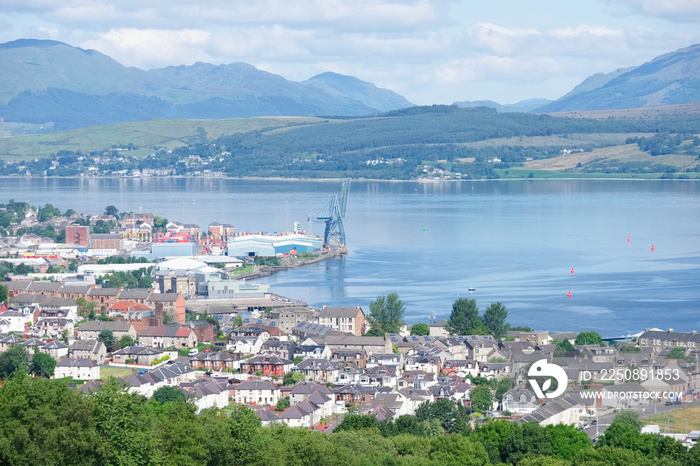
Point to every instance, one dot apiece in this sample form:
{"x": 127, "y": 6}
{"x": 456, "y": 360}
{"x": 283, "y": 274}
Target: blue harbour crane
{"x": 333, "y": 216}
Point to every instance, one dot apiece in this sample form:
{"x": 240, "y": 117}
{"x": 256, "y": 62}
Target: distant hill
{"x": 44, "y": 81}
{"x": 528, "y": 105}
{"x": 673, "y": 78}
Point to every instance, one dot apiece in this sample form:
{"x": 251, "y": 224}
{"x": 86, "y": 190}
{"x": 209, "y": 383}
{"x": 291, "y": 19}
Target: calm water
{"x": 515, "y": 242}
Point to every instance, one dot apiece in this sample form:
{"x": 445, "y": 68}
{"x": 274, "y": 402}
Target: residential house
{"x": 77, "y": 368}
{"x": 260, "y": 392}
{"x": 206, "y": 393}
{"x": 287, "y": 318}
{"x": 385, "y": 359}
{"x": 520, "y": 401}
{"x": 356, "y": 357}
{"x": 317, "y": 370}
{"x": 221, "y": 361}
{"x": 14, "y": 321}
{"x": 479, "y": 347}
{"x": 167, "y": 336}
{"x": 355, "y": 394}
{"x": 104, "y": 298}
{"x": 370, "y": 345}
{"x": 277, "y": 347}
{"x": 348, "y": 374}
{"x": 266, "y": 365}
{"x": 136, "y": 354}
{"x": 343, "y": 319}
{"x": 204, "y": 330}
{"x": 56, "y": 349}
{"x": 8, "y": 341}
{"x": 172, "y": 305}
{"x": 461, "y": 368}
{"x": 495, "y": 370}
{"x": 89, "y": 349}
{"x": 52, "y": 327}
{"x": 312, "y": 351}
{"x": 302, "y": 390}
{"x": 91, "y": 329}
{"x": 659, "y": 340}
{"x": 562, "y": 410}
{"x": 379, "y": 376}
{"x": 420, "y": 380}
{"x": 245, "y": 345}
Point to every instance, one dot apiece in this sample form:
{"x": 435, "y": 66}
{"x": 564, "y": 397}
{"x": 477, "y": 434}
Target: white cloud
{"x": 133, "y": 47}
{"x": 681, "y": 11}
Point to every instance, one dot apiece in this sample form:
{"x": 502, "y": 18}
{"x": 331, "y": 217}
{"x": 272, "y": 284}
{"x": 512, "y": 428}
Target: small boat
{"x": 472, "y": 290}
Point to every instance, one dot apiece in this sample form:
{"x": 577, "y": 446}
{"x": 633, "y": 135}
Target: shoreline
{"x": 293, "y": 179}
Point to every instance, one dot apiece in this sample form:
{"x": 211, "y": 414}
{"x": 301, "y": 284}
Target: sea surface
{"x": 513, "y": 241}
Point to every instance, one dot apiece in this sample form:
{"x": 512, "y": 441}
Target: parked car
{"x": 668, "y": 403}
{"x": 207, "y": 350}
{"x": 585, "y": 426}
{"x": 193, "y": 352}
{"x": 220, "y": 343}
{"x": 143, "y": 371}
{"x": 594, "y": 422}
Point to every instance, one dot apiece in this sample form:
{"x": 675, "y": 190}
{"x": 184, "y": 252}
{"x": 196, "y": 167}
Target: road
{"x": 646, "y": 411}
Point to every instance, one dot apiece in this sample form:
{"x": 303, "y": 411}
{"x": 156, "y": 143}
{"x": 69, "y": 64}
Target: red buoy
{"x": 569, "y": 294}
{"x": 652, "y": 248}
{"x": 572, "y": 270}
{"x": 628, "y": 240}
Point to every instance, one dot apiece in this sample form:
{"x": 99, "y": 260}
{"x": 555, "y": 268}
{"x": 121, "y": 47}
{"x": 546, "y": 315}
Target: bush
{"x": 130, "y": 361}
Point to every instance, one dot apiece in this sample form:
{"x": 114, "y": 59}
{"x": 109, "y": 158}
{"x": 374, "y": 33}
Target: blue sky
{"x": 430, "y": 51}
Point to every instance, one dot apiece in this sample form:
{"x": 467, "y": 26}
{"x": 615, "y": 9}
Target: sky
{"x": 429, "y": 51}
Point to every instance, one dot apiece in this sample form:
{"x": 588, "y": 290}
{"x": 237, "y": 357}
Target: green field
{"x": 679, "y": 421}
{"x": 107, "y": 371}
{"x": 146, "y": 135}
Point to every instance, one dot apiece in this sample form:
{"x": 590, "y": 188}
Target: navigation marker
{"x": 572, "y": 270}
{"x": 568, "y": 294}
{"x": 652, "y": 249}
{"x": 628, "y": 240}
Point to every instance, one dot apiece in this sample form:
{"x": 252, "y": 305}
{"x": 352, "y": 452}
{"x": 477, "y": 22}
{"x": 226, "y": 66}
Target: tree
{"x": 283, "y": 404}
{"x": 567, "y": 441}
{"x": 168, "y": 393}
{"x": 159, "y": 223}
{"x": 85, "y": 307}
{"x": 375, "y": 332}
{"x": 495, "y": 320}
{"x": 3, "y": 294}
{"x": 291, "y": 378}
{"x": 481, "y": 397}
{"x": 562, "y": 347}
{"x": 106, "y": 336}
{"x": 42, "y": 364}
{"x": 530, "y": 439}
{"x": 420, "y": 330}
{"x": 465, "y": 319}
{"x": 677, "y": 353}
{"x": 17, "y": 357}
{"x": 238, "y": 321}
{"x": 357, "y": 422}
{"x": 111, "y": 210}
{"x": 386, "y": 313}
{"x": 588, "y": 338}
{"x": 125, "y": 341}
{"x": 630, "y": 418}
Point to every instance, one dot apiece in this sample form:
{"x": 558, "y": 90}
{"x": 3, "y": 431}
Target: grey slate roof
{"x": 75, "y": 362}
{"x": 99, "y": 325}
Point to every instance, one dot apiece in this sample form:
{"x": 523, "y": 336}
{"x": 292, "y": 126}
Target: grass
{"x": 677, "y": 420}
{"x": 519, "y": 174}
{"x": 145, "y": 134}
{"x": 242, "y": 270}
{"x": 107, "y": 371}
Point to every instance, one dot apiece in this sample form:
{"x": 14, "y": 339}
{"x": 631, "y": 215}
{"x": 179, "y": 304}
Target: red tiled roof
{"x": 124, "y": 306}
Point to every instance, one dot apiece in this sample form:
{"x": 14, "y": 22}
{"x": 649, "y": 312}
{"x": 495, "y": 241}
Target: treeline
{"x": 134, "y": 279}
{"x": 668, "y": 143}
{"x": 44, "y": 422}
{"x": 344, "y": 148}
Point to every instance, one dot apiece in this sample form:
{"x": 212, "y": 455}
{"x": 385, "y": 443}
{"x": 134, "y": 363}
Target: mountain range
{"x": 45, "y": 81}
{"x": 58, "y": 86}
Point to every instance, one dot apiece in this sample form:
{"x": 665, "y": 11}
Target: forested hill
{"x": 453, "y": 142}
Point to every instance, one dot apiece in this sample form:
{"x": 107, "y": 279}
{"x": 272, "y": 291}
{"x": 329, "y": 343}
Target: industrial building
{"x": 267, "y": 245}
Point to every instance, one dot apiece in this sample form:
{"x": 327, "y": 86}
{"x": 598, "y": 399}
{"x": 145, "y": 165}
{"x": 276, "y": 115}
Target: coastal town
{"x": 154, "y": 304}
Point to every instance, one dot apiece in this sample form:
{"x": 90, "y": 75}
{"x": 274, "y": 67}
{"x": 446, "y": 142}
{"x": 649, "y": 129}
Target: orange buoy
{"x": 568, "y": 294}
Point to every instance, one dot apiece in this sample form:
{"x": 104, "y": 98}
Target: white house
{"x": 78, "y": 368}
{"x": 261, "y": 392}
